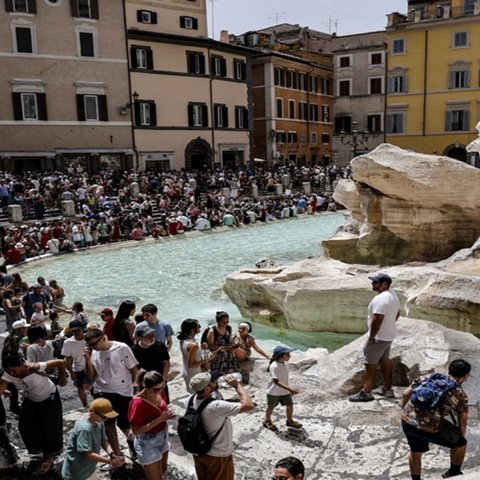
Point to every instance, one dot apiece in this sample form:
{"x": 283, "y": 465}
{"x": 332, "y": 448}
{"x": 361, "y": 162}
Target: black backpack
{"x": 192, "y": 434}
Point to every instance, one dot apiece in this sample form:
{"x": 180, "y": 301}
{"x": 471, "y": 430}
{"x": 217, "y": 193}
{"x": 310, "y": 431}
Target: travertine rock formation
{"x": 409, "y": 207}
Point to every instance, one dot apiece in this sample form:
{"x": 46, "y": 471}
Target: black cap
{"x": 381, "y": 277}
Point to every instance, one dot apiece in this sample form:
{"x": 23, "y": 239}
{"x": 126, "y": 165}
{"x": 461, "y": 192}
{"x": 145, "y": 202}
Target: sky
{"x": 341, "y": 16}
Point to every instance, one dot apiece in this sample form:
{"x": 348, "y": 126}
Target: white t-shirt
{"x": 280, "y": 372}
{"x": 74, "y": 348}
{"x": 113, "y": 369}
{"x": 37, "y": 387}
{"x": 213, "y": 417}
{"x": 388, "y": 305}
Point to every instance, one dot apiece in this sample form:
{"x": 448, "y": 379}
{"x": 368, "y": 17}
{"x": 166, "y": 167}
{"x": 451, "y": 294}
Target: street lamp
{"x": 355, "y": 138}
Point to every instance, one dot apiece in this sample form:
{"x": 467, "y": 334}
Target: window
{"x": 343, "y": 123}
{"x": 459, "y": 78}
{"x": 398, "y": 46}
{"x": 344, "y": 88}
{"x": 220, "y": 115}
{"x": 29, "y": 106}
{"x": 24, "y": 39}
{"x": 313, "y": 84}
{"x": 85, "y": 8}
{"x": 145, "y": 113}
{"x": 457, "y": 121}
{"x": 313, "y": 138}
{"x": 395, "y": 123}
{"x": 218, "y": 67}
{"x": 241, "y": 117}
{"x": 326, "y": 86}
{"x": 375, "y": 58}
{"x": 460, "y": 39}
{"x": 302, "y": 111}
{"x": 345, "y": 61}
{"x": 141, "y": 57}
{"x": 302, "y": 81}
{"x": 325, "y": 138}
{"x": 21, "y": 6}
{"x": 197, "y": 115}
{"x": 196, "y": 63}
{"x": 469, "y": 6}
{"x": 240, "y": 70}
{"x": 92, "y": 108}
{"x": 291, "y": 79}
{"x": 292, "y": 137}
{"x": 397, "y": 83}
{"x": 190, "y": 23}
{"x": 87, "y": 44}
{"x": 314, "y": 112}
{"x": 146, "y": 16}
{"x": 279, "y": 104}
{"x": 279, "y": 77}
{"x": 291, "y": 109}
{"x": 325, "y": 113}
{"x": 375, "y": 85}
{"x": 281, "y": 137}
{"x": 374, "y": 123}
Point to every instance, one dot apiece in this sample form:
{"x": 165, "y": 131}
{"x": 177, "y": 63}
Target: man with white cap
{"x": 88, "y": 436}
{"x": 383, "y": 312}
{"x": 217, "y": 464}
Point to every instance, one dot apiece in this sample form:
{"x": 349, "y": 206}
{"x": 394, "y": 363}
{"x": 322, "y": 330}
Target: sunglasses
{"x": 92, "y": 344}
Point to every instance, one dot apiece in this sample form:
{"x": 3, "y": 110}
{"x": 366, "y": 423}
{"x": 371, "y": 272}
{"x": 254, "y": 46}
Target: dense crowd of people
{"x": 116, "y": 206}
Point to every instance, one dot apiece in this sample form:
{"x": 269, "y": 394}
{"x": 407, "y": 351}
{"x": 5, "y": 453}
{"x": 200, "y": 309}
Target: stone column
{"x": 134, "y": 189}
{"x": 68, "y": 208}
{"x": 307, "y": 188}
{"x": 278, "y": 189}
{"x": 255, "y": 191}
{"x": 15, "y": 213}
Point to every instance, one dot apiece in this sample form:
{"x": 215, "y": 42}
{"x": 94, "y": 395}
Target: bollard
{"x": 68, "y": 208}
{"x": 278, "y": 189}
{"x": 15, "y": 213}
{"x": 307, "y": 188}
{"x": 134, "y": 189}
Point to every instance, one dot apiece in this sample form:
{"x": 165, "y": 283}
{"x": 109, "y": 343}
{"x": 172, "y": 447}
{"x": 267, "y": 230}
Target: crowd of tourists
{"x": 112, "y": 206}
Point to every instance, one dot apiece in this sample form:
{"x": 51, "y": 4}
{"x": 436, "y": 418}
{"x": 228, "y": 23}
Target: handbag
{"x": 449, "y": 431}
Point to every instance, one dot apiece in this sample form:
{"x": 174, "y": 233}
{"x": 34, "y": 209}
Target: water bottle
{"x": 223, "y": 384}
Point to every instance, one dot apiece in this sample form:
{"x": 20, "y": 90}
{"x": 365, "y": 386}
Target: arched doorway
{"x": 457, "y": 152}
{"x": 198, "y": 155}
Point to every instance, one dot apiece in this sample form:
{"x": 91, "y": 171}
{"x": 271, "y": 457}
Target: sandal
{"x": 293, "y": 424}
{"x": 270, "y": 425}
{"x": 44, "y": 467}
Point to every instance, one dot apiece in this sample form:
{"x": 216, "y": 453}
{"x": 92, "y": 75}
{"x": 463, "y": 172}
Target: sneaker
{"x": 448, "y": 474}
{"x": 361, "y": 396}
{"x": 384, "y": 393}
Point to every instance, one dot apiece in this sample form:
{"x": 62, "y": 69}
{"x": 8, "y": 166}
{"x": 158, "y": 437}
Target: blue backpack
{"x": 429, "y": 394}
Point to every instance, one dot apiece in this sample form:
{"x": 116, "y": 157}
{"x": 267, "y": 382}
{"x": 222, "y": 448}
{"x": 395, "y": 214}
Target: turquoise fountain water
{"x": 184, "y": 275}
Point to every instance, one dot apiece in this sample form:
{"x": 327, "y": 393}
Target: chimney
{"x": 224, "y": 38}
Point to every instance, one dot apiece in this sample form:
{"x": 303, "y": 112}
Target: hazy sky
{"x": 341, "y": 16}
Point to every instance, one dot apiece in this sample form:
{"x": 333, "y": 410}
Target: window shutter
{"x": 246, "y": 123}
{"x": 467, "y": 78}
{"x": 191, "y": 62}
{"x": 204, "y": 116}
{"x": 9, "y": 8}
{"x": 102, "y": 108}
{"x": 182, "y": 22}
{"x": 133, "y": 57}
{"x": 42, "y": 106}
{"x": 74, "y": 6}
{"x": 466, "y": 120}
{"x": 149, "y": 54}
{"x": 194, "y": 24}
{"x": 244, "y": 70}
{"x": 225, "y": 116}
{"x": 190, "y": 115}
{"x": 32, "y": 6}
{"x": 448, "y": 121}
{"x": 405, "y": 84}
{"x": 153, "y": 16}
{"x": 153, "y": 114}
{"x": 136, "y": 113}
{"x": 451, "y": 79}
{"x": 202, "y": 64}
{"x": 223, "y": 67}
{"x": 94, "y": 9}
{"x": 139, "y": 16}
{"x": 17, "y": 106}
{"x": 80, "y": 108}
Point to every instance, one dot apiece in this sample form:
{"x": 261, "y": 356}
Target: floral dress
{"x": 224, "y": 361}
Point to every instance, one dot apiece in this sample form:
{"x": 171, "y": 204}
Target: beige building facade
{"x": 64, "y": 85}
{"x": 191, "y": 94}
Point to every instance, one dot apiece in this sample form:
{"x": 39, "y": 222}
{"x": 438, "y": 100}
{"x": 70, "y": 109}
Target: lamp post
{"x": 355, "y": 138}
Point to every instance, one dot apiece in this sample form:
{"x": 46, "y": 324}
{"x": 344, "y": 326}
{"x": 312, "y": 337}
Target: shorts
{"x": 418, "y": 440}
{"x": 374, "y": 352}
{"x": 82, "y": 379}
{"x": 150, "y": 447}
{"x": 274, "y": 400}
{"x": 120, "y": 404}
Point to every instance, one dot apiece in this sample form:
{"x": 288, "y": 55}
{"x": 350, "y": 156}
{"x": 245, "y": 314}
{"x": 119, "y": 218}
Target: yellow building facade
{"x": 433, "y": 77}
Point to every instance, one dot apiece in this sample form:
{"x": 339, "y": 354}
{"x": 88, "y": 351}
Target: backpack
{"x": 190, "y": 429}
{"x": 430, "y": 392}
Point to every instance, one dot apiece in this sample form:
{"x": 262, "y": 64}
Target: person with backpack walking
{"x": 383, "y": 312}
{"x": 426, "y": 403}
{"x": 206, "y": 429}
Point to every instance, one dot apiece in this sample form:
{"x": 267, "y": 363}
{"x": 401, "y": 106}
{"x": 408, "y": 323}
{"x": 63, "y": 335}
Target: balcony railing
{"x": 435, "y": 13}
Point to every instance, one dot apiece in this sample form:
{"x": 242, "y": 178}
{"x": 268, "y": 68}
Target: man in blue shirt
{"x": 163, "y": 330}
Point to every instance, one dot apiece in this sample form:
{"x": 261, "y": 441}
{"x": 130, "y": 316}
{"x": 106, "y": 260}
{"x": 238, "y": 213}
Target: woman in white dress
{"x": 191, "y": 352}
